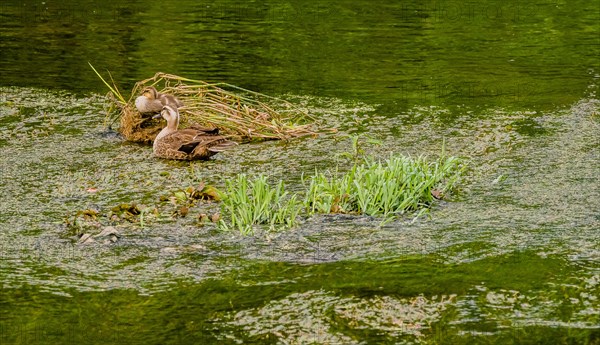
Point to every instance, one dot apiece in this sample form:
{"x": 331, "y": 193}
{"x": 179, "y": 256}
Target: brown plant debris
{"x": 240, "y": 114}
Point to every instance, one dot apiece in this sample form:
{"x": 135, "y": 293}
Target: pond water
{"x": 509, "y": 87}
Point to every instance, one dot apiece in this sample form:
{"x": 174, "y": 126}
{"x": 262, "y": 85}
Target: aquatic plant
{"x": 89, "y": 220}
{"x": 185, "y": 199}
{"x": 82, "y": 219}
{"x": 247, "y": 202}
{"x": 357, "y": 144}
{"x": 386, "y": 189}
{"x": 382, "y": 188}
{"x": 240, "y": 114}
{"x": 191, "y": 195}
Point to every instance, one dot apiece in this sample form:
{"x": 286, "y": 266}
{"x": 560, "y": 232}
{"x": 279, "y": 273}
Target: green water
{"x": 510, "y": 87}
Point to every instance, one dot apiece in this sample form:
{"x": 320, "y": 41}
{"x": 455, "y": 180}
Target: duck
{"x": 152, "y": 101}
{"x": 187, "y": 144}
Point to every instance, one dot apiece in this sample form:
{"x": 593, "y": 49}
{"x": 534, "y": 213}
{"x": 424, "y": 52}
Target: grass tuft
{"x": 114, "y": 91}
{"x": 248, "y": 202}
{"x": 387, "y": 189}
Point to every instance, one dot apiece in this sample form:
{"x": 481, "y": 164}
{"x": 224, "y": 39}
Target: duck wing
{"x": 194, "y": 144}
{"x": 223, "y": 145}
{"x": 169, "y": 100}
{"x": 207, "y": 130}
{"x": 210, "y": 145}
{"x": 181, "y": 140}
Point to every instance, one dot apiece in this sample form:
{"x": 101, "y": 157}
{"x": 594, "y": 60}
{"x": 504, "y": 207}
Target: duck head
{"x": 169, "y": 113}
{"x": 150, "y": 93}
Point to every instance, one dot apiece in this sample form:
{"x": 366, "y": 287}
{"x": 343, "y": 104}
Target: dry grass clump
{"x": 241, "y": 114}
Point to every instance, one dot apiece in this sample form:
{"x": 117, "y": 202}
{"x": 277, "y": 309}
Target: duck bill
{"x": 157, "y": 116}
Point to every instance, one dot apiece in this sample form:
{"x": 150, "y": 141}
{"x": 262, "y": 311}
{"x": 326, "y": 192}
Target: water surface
{"x": 510, "y": 87}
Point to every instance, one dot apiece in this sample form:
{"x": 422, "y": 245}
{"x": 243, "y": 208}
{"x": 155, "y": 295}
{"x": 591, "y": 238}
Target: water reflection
{"x": 443, "y": 53}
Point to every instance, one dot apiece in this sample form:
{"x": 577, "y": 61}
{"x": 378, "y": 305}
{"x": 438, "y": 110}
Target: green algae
{"x": 474, "y": 239}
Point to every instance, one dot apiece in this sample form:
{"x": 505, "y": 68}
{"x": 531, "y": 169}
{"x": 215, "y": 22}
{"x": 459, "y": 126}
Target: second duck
{"x": 152, "y": 101}
{"x": 190, "y": 143}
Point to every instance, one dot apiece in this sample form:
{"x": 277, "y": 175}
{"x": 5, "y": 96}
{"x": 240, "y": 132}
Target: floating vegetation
{"x": 202, "y": 192}
{"x": 399, "y": 320}
{"x": 85, "y": 222}
{"x": 240, "y": 114}
{"x": 83, "y": 219}
{"x": 385, "y": 189}
{"x": 185, "y": 199}
{"x": 126, "y": 210}
{"x": 250, "y": 202}
{"x": 88, "y": 221}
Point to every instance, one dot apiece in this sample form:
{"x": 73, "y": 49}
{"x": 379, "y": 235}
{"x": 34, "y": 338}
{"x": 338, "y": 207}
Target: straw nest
{"x": 240, "y": 114}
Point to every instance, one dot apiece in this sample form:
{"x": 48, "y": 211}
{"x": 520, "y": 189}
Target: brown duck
{"x": 152, "y": 101}
{"x": 190, "y": 143}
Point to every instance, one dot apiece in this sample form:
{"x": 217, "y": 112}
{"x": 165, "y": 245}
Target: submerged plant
{"x": 247, "y": 202}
